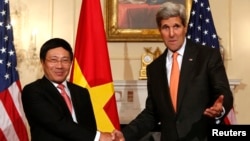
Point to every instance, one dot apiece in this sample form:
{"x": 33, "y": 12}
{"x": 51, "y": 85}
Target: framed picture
{"x": 134, "y": 20}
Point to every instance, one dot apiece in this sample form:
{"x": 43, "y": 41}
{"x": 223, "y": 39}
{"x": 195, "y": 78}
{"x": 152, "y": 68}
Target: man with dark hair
{"x": 56, "y": 109}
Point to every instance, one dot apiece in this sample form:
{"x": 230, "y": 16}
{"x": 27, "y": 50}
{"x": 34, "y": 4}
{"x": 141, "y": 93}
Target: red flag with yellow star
{"x": 91, "y": 66}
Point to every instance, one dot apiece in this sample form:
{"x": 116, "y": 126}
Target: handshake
{"x": 116, "y": 135}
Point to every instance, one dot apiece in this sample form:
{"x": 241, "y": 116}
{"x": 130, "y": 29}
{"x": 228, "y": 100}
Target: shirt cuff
{"x": 97, "y": 136}
{"x": 217, "y": 119}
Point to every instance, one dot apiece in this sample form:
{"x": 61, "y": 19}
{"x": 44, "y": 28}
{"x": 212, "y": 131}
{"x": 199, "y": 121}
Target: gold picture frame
{"x": 115, "y": 33}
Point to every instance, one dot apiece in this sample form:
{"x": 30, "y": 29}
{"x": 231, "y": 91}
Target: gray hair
{"x": 170, "y": 9}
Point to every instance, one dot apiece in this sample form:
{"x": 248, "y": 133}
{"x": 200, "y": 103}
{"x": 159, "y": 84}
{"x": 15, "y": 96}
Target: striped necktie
{"x": 65, "y": 96}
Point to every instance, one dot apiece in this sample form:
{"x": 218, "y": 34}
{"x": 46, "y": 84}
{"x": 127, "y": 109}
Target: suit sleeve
{"x": 45, "y": 112}
{"x": 219, "y": 80}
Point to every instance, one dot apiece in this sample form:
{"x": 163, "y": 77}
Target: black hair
{"x": 55, "y": 43}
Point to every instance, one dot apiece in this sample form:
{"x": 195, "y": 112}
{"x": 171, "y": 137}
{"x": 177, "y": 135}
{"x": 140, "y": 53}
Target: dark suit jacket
{"x": 202, "y": 79}
{"x": 49, "y": 117}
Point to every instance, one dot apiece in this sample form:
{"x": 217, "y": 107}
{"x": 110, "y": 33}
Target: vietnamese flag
{"x": 91, "y": 66}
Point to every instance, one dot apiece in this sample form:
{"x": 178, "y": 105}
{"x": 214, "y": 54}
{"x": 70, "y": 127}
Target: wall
{"x": 35, "y": 21}
{"x": 237, "y": 66}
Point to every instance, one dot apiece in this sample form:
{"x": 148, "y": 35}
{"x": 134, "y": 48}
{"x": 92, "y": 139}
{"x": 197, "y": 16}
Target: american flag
{"x": 201, "y": 26}
{"x": 201, "y": 30}
{"x": 12, "y": 120}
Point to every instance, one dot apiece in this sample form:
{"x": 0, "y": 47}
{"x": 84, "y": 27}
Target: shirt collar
{"x": 180, "y": 51}
{"x": 64, "y": 83}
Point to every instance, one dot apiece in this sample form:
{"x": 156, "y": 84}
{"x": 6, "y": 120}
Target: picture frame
{"x": 117, "y": 31}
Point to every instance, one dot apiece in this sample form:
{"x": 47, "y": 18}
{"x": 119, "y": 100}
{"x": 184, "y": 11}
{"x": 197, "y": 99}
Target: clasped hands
{"x": 116, "y": 135}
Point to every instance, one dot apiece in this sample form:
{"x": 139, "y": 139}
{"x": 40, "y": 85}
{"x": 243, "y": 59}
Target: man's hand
{"x": 216, "y": 109}
{"x": 105, "y": 136}
{"x": 118, "y": 135}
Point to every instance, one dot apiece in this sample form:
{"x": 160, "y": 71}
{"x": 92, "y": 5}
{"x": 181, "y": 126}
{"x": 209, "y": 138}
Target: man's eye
{"x": 177, "y": 26}
{"x": 65, "y": 61}
{"x": 53, "y": 60}
{"x": 164, "y": 27}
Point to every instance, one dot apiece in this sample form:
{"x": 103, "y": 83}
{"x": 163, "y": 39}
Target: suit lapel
{"x": 160, "y": 79}
{"x": 187, "y": 70}
{"x": 51, "y": 91}
{"x": 53, "y": 94}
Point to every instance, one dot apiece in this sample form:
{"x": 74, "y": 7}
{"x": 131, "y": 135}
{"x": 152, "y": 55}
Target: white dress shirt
{"x": 169, "y": 59}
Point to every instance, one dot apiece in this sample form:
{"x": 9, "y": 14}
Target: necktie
{"x": 174, "y": 79}
{"x": 65, "y": 96}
